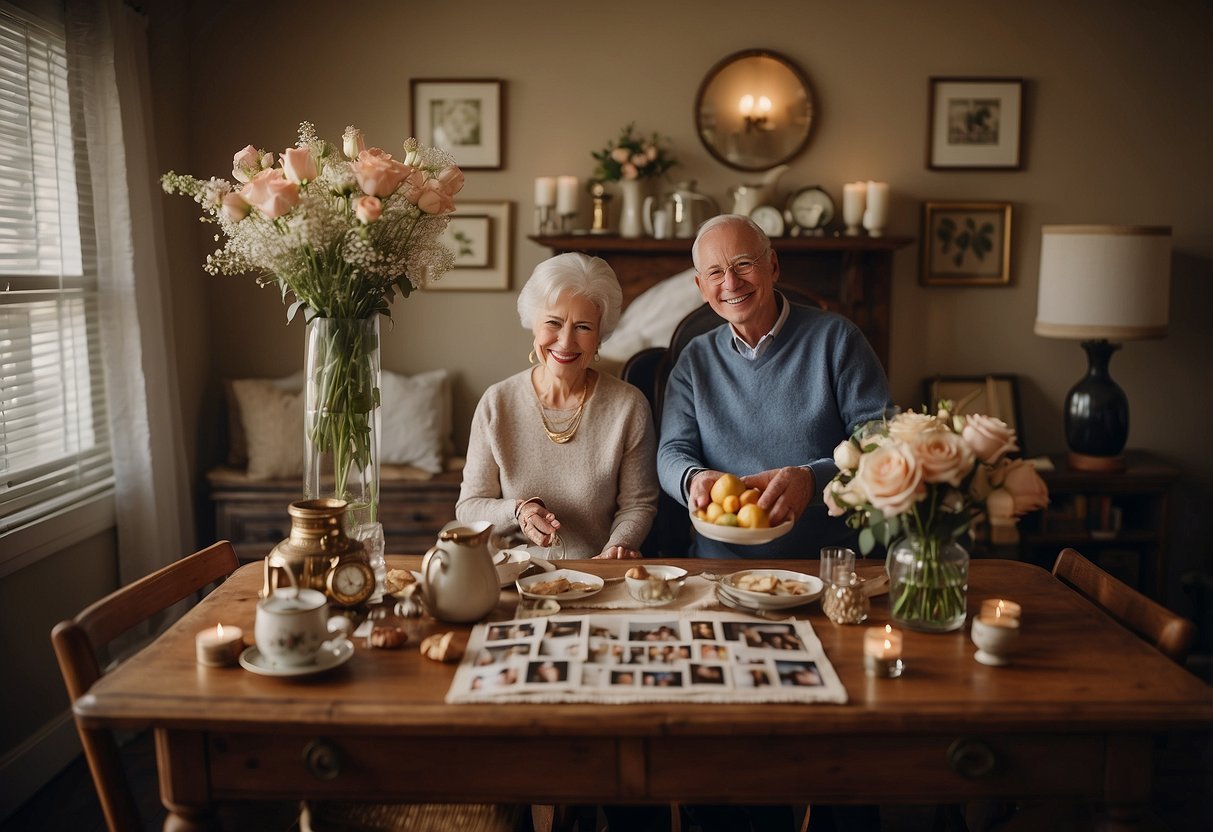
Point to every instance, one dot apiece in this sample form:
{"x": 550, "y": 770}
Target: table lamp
{"x": 1102, "y": 283}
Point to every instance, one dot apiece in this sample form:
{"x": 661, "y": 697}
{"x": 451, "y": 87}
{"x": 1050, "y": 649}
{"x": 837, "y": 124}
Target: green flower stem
{"x": 931, "y": 592}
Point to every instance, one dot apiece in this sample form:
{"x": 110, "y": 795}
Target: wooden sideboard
{"x": 252, "y": 514}
{"x": 849, "y": 275}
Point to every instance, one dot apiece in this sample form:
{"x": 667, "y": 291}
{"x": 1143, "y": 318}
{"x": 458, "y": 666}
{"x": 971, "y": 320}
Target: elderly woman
{"x": 561, "y": 452}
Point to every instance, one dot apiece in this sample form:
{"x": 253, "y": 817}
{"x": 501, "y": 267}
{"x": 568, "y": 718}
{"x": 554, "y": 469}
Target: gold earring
{"x": 597, "y": 358}
{"x": 530, "y": 357}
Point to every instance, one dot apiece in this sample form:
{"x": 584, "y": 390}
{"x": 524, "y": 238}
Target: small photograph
{"x": 798, "y": 674}
{"x": 607, "y": 651}
{"x": 780, "y": 640}
{"x": 494, "y": 680}
{"x": 594, "y": 676}
{"x": 708, "y": 674}
{"x": 564, "y": 628}
{"x": 637, "y": 655}
{"x": 711, "y": 652}
{"x": 604, "y": 628}
{"x": 500, "y": 652}
{"x": 752, "y": 677}
{"x": 623, "y": 678}
{"x": 704, "y": 630}
{"x": 661, "y": 678}
{"x": 547, "y": 672}
{"x": 668, "y": 653}
{"x": 653, "y": 631}
{"x": 510, "y": 631}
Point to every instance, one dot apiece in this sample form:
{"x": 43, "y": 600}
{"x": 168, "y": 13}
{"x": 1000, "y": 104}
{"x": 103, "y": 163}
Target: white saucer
{"x": 334, "y": 655}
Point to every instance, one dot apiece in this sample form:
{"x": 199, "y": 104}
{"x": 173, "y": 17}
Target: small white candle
{"x": 1000, "y": 607}
{"x": 882, "y": 651}
{"x": 995, "y": 637}
{"x": 854, "y": 195}
{"x": 566, "y": 195}
{"x": 219, "y": 646}
{"x": 876, "y": 214}
{"x": 545, "y": 192}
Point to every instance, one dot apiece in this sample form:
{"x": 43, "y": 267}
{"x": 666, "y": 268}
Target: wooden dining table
{"x": 1077, "y": 712}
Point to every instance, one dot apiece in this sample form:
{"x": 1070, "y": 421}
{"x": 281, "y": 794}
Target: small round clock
{"x": 811, "y": 208}
{"x": 769, "y": 219}
{"x": 350, "y": 583}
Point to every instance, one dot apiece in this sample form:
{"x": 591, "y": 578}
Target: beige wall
{"x": 1118, "y": 131}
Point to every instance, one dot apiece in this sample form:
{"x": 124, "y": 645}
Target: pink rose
{"x": 378, "y": 174}
{"x": 629, "y": 171}
{"x": 1000, "y": 505}
{"x": 620, "y": 154}
{"x": 890, "y": 478}
{"x": 367, "y": 208}
{"x": 846, "y": 455}
{"x": 451, "y": 179}
{"x": 650, "y": 152}
{"x": 989, "y": 438}
{"x": 271, "y": 193}
{"x": 298, "y": 165}
{"x": 250, "y": 161}
{"x": 234, "y": 207}
{"x": 909, "y": 424}
{"x": 943, "y": 457}
{"x": 639, "y": 160}
{"x": 434, "y": 200}
{"x": 1025, "y": 486}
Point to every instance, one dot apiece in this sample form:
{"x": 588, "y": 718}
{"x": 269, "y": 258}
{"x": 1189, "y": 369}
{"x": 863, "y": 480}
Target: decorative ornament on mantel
{"x": 340, "y": 238}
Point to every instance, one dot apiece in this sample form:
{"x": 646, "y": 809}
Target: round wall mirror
{"x": 754, "y": 110}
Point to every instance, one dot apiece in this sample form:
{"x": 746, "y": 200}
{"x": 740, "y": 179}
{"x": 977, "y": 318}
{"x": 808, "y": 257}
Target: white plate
{"x": 330, "y": 656}
{"x": 738, "y": 535}
{"x": 571, "y": 575}
{"x": 766, "y": 601}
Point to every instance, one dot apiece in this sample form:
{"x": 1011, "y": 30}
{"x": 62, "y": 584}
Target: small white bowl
{"x": 661, "y": 587}
{"x": 510, "y": 563}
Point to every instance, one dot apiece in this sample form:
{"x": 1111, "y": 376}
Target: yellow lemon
{"x": 712, "y": 512}
{"x": 750, "y": 495}
{"x": 730, "y": 504}
{"x": 726, "y": 520}
{"x": 727, "y": 485}
{"x": 751, "y": 516}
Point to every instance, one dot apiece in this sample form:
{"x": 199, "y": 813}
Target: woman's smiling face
{"x": 567, "y": 335}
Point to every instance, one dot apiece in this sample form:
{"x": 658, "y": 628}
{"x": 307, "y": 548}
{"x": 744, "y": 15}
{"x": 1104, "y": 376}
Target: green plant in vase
{"x": 916, "y": 483}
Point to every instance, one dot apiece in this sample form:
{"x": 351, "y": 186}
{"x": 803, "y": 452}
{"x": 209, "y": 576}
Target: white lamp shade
{"x": 1104, "y": 281}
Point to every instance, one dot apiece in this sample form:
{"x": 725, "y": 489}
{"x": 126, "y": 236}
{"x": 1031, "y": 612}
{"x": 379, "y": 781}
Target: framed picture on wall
{"x": 975, "y": 124}
{"x": 994, "y": 395}
{"x": 965, "y": 244}
{"x": 479, "y": 234}
{"x": 463, "y": 117}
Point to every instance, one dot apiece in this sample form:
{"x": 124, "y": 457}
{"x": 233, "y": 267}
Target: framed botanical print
{"x": 966, "y": 244}
{"x": 479, "y": 235}
{"x": 463, "y": 117}
{"x": 975, "y": 124}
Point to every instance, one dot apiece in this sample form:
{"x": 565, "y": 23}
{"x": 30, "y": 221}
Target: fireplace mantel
{"x": 849, "y": 275}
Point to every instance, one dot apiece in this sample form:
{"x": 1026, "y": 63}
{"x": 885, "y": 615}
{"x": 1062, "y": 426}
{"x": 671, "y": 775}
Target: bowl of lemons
{"x": 734, "y": 515}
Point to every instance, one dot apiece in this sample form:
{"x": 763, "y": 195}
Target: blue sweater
{"x": 816, "y": 383}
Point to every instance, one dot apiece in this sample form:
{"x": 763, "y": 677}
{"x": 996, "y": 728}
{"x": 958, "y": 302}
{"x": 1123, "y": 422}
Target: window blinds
{"x": 54, "y": 445}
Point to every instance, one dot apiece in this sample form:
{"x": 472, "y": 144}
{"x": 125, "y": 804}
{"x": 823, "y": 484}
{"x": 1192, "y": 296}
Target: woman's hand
{"x": 537, "y": 523}
{"x": 618, "y": 553}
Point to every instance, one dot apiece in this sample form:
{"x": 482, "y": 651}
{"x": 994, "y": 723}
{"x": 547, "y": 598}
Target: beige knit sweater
{"x": 601, "y": 485}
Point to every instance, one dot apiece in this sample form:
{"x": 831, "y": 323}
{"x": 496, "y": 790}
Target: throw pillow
{"x": 273, "y": 427}
{"x": 237, "y": 443}
{"x": 415, "y": 419}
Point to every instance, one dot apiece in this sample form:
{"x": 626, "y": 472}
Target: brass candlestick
{"x": 600, "y": 197}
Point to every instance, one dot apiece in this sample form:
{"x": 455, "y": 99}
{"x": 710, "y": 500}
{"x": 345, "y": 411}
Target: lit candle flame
{"x": 219, "y": 630}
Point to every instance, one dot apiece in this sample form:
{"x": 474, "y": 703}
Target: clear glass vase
{"x": 341, "y": 416}
{"x": 928, "y": 583}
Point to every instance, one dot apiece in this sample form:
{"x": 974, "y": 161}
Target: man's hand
{"x": 700, "y": 492}
{"x": 786, "y": 492}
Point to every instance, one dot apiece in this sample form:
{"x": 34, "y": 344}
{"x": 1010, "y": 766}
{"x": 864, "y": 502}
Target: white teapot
{"x": 459, "y": 581}
{"x": 748, "y": 196}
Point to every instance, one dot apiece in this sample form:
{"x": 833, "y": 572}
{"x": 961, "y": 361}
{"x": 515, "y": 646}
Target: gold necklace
{"x": 561, "y": 435}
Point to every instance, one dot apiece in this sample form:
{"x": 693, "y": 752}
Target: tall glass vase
{"x": 928, "y": 583}
{"x": 341, "y": 417}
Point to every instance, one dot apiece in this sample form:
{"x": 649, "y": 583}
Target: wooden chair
{"x": 80, "y": 641}
{"x": 1172, "y": 634}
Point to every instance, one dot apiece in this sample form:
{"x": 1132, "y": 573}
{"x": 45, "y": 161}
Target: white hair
{"x": 579, "y": 274}
{"x": 727, "y": 219}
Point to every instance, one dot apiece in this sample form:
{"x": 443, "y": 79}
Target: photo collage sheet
{"x": 612, "y": 657}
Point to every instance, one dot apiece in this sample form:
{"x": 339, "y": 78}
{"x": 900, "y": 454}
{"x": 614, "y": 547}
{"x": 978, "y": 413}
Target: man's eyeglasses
{"x": 740, "y": 268}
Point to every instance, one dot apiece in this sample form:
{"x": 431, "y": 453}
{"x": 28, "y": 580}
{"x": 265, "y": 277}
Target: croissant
{"x": 444, "y": 647}
{"x": 388, "y": 636}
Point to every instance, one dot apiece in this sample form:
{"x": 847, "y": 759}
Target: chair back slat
{"x": 78, "y": 640}
{"x": 1171, "y": 633}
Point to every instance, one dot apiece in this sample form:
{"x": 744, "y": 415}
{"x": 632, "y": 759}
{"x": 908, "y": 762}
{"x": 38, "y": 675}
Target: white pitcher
{"x": 459, "y": 581}
{"x": 748, "y": 196}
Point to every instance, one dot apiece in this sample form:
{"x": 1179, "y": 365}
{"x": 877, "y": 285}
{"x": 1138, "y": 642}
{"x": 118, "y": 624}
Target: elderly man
{"x": 766, "y": 396}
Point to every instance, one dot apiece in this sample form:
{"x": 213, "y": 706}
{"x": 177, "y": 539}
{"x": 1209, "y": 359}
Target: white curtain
{"x": 107, "y": 41}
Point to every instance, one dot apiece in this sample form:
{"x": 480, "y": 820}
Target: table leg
{"x": 1127, "y": 782}
{"x": 184, "y": 785}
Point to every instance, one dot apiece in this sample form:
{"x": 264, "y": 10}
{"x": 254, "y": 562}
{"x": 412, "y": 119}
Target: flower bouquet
{"x": 632, "y": 157}
{"x": 916, "y": 483}
{"x": 341, "y": 232}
